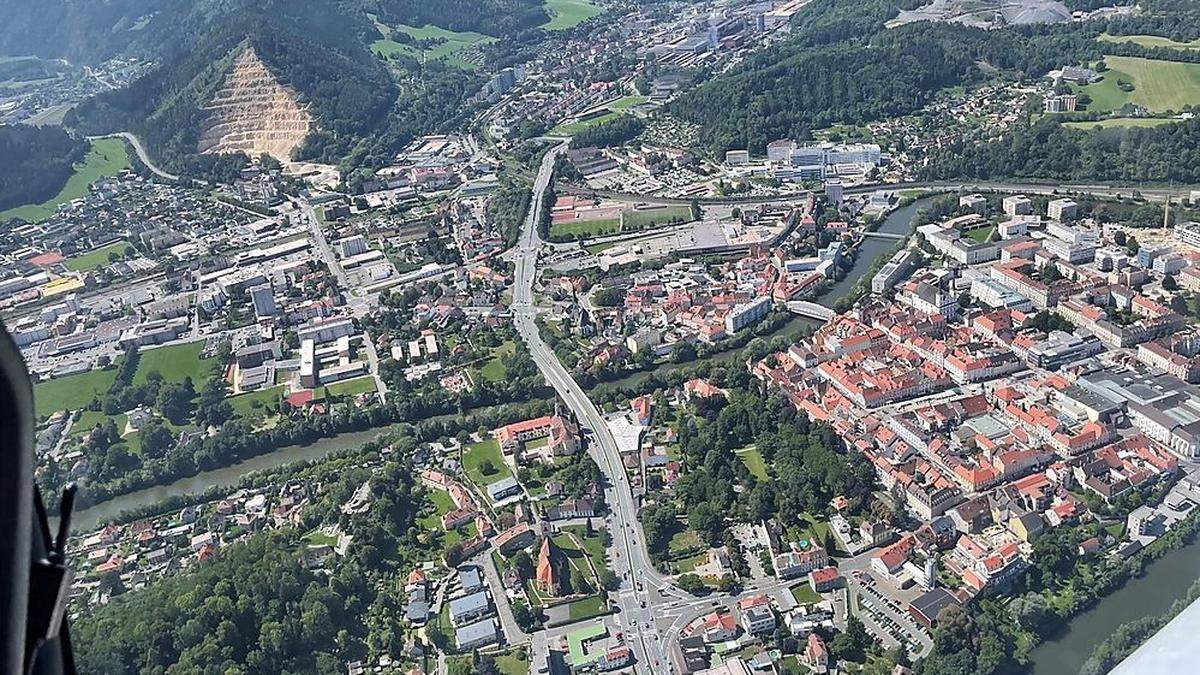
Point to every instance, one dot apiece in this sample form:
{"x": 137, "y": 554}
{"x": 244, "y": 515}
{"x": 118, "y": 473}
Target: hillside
{"x": 37, "y": 162}
{"x": 315, "y": 67}
{"x": 489, "y": 17}
{"x": 842, "y": 65}
{"x": 253, "y": 113}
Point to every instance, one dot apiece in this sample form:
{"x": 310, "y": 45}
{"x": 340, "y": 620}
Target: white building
{"x": 747, "y": 314}
{"x": 1062, "y": 209}
{"x": 1018, "y": 205}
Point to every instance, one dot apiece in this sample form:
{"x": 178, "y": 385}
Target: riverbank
{"x": 1162, "y": 582}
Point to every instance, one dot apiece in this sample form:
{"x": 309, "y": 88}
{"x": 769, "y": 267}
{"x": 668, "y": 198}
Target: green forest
{"x": 37, "y": 162}
{"x": 490, "y": 17}
{"x": 1046, "y": 149}
{"x": 843, "y": 66}
{"x": 256, "y": 608}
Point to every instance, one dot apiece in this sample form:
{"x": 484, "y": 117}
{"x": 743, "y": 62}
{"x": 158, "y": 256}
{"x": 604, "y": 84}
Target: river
{"x": 228, "y": 476}
{"x": 1151, "y": 594}
{"x": 897, "y": 222}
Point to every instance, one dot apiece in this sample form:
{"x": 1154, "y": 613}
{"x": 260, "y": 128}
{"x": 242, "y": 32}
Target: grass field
{"x": 474, "y": 456}
{"x": 442, "y": 504}
{"x": 493, "y": 370}
{"x": 513, "y": 662}
{"x": 72, "y": 392}
{"x": 107, "y": 157}
{"x": 637, "y": 218}
{"x": 1158, "y": 86}
{"x": 98, "y": 258}
{"x": 174, "y": 363}
{"x": 593, "y": 546}
{"x": 753, "y": 460}
{"x": 452, "y": 42}
{"x": 569, "y": 13}
{"x": 244, "y": 405}
{"x": 804, "y": 594}
{"x": 980, "y": 234}
{"x": 1150, "y": 41}
{"x": 1122, "y": 123}
{"x": 587, "y": 608}
{"x": 586, "y": 228}
{"x": 685, "y": 542}
{"x": 353, "y": 387}
{"x": 617, "y": 107}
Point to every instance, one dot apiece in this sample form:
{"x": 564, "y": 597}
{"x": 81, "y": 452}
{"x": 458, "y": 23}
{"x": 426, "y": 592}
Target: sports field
{"x": 616, "y": 108}
{"x": 569, "y": 13}
{"x": 98, "y": 258}
{"x": 1158, "y": 86}
{"x": 354, "y": 387}
{"x": 585, "y": 228}
{"x": 107, "y": 157}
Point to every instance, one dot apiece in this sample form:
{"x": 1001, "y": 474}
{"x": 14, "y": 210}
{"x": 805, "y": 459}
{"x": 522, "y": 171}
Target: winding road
{"x": 141, "y": 153}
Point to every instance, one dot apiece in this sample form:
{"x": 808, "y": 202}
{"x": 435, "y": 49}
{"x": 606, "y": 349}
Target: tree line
{"x": 37, "y": 163}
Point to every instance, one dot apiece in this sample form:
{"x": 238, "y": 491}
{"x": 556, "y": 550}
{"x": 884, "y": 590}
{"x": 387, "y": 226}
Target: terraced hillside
{"x": 253, "y": 113}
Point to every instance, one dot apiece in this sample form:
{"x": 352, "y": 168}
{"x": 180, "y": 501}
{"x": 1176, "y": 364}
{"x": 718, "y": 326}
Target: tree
{"x": 487, "y": 468}
{"x": 522, "y": 564}
{"x": 683, "y": 352}
{"x": 690, "y": 583}
{"x": 609, "y": 581}
{"x": 1030, "y": 610}
{"x": 706, "y": 521}
{"x": 660, "y": 523}
{"x": 213, "y": 409}
{"x": 608, "y": 297}
{"x": 175, "y": 401}
{"x": 851, "y": 644}
{"x": 156, "y": 438}
{"x": 1169, "y": 284}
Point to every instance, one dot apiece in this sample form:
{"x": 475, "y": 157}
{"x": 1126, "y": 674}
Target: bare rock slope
{"x": 254, "y": 113}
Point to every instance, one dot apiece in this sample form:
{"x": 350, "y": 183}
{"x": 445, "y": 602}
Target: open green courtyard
{"x": 483, "y": 464}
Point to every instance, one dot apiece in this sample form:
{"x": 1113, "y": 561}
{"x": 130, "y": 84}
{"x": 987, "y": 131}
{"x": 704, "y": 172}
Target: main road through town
{"x": 643, "y": 589}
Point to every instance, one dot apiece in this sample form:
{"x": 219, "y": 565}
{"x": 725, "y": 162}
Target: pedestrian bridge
{"x": 810, "y": 310}
{"x": 885, "y": 235}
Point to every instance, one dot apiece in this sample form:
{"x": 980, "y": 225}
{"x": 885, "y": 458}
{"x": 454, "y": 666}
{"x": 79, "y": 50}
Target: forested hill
{"x": 83, "y": 32}
{"x": 842, "y": 65}
{"x": 490, "y": 17}
{"x": 37, "y": 162}
{"x": 317, "y": 47}
{"x": 1049, "y": 150}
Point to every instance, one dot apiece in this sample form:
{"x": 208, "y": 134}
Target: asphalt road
{"x": 141, "y": 153}
{"x": 644, "y": 591}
